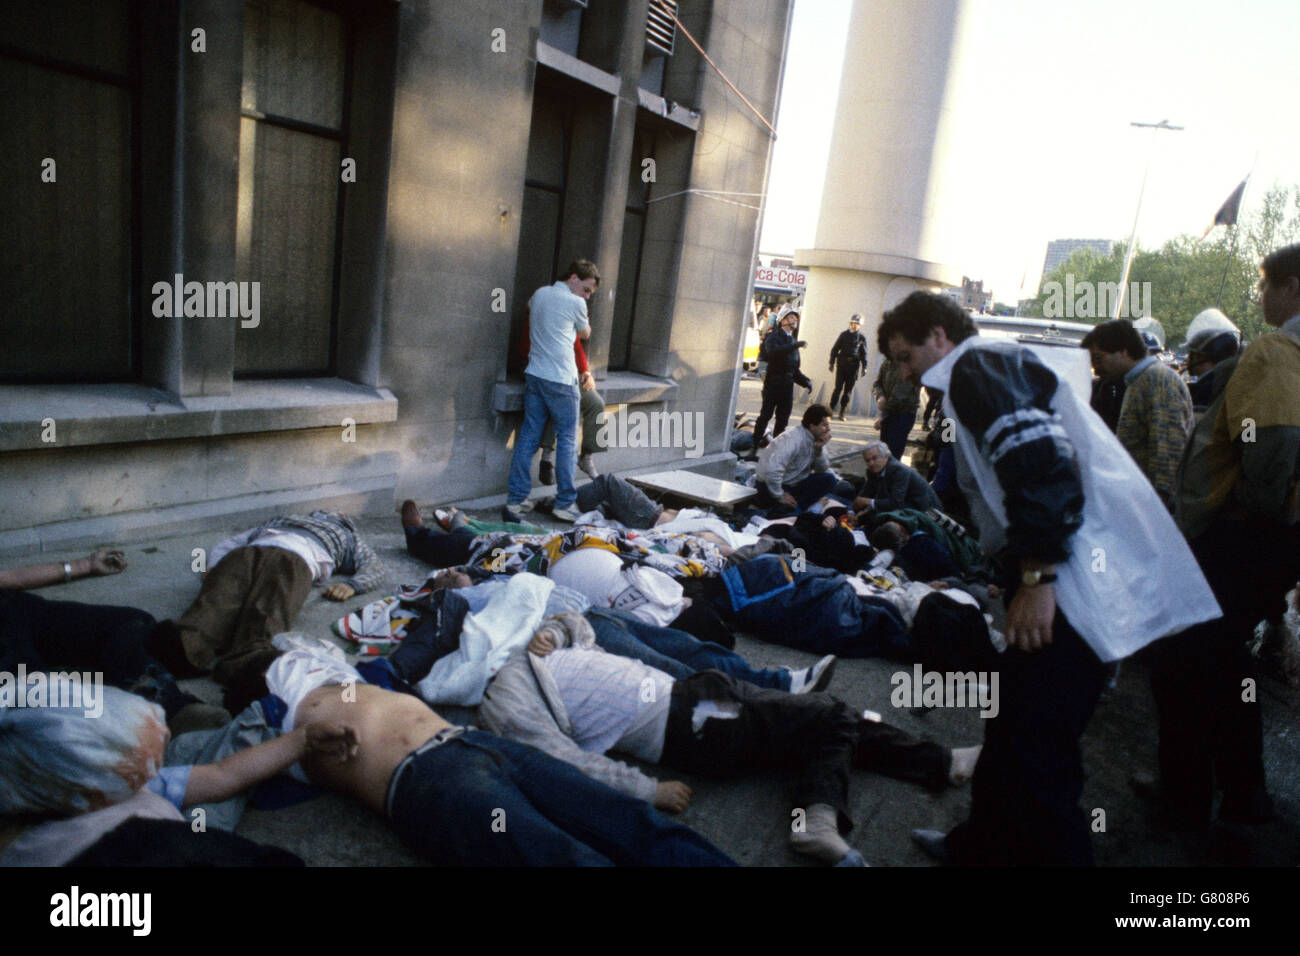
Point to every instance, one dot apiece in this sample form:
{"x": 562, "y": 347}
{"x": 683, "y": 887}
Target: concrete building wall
{"x": 422, "y": 405}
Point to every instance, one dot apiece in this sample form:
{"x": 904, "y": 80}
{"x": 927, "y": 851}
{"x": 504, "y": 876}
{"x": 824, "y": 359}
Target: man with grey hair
{"x": 889, "y": 484}
{"x": 848, "y": 362}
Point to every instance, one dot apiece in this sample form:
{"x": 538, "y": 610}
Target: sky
{"x": 1043, "y": 95}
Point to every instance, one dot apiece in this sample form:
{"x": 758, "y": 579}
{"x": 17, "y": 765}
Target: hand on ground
{"x": 672, "y": 795}
{"x": 339, "y": 592}
{"x": 107, "y": 561}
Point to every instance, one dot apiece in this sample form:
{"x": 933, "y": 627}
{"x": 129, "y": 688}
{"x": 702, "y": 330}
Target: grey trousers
{"x": 621, "y": 500}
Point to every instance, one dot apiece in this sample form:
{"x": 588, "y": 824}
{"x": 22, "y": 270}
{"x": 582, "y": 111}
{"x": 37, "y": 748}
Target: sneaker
{"x": 512, "y": 514}
{"x": 815, "y": 678}
{"x": 545, "y": 472}
{"x": 568, "y": 513}
{"x": 585, "y": 463}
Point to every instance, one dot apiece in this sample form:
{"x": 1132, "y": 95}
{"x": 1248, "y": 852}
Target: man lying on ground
{"x": 44, "y": 635}
{"x": 255, "y": 585}
{"x": 571, "y": 699}
{"x": 674, "y": 651}
{"x": 608, "y": 568}
{"x": 460, "y": 796}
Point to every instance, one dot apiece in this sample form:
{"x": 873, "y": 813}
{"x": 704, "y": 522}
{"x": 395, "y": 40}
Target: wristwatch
{"x": 1034, "y": 578}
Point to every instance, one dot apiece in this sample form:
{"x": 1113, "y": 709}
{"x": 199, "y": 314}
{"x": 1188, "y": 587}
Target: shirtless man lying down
{"x": 458, "y": 795}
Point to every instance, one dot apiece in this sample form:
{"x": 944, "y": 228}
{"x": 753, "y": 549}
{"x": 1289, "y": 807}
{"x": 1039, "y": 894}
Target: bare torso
{"x": 388, "y": 726}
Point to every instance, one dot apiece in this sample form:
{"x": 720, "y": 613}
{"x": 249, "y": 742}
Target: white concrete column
{"x": 880, "y": 232}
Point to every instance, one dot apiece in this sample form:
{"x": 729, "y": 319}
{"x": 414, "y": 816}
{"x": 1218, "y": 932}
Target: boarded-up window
{"x": 543, "y": 212}
{"x": 67, "y": 96}
{"x": 290, "y": 149}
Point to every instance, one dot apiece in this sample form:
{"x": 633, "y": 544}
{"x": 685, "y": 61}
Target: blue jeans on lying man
{"x": 480, "y": 800}
{"x": 675, "y": 652}
{"x": 545, "y": 399}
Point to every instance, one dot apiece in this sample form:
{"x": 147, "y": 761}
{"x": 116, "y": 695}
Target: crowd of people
{"x": 1170, "y": 532}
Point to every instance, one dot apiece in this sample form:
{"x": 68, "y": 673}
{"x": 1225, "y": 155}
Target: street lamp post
{"x": 1122, "y": 298}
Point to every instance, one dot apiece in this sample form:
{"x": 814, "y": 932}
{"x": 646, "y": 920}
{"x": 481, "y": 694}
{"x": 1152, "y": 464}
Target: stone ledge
{"x": 362, "y": 496}
{"x": 617, "y": 388}
{"x": 126, "y": 414}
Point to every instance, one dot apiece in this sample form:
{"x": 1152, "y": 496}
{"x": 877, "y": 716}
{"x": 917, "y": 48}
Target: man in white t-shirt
{"x": 556, "y": 313}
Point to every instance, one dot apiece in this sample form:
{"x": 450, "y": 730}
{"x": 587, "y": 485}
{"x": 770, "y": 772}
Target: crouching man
{"x": 567, "y": 697}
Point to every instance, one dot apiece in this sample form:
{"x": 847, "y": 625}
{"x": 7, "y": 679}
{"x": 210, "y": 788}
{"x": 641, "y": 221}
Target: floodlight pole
{"x": 1122, "y": 299}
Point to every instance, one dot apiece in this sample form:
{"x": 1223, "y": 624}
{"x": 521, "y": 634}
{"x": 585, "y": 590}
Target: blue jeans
{"x": 806, "y": 493}
{"x": 479, "y": 800}
{"x": 544, "y": 399}
{"x": 676, "y": 653}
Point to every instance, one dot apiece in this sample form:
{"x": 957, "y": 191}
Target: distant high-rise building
{"x": 1059, "y": 250}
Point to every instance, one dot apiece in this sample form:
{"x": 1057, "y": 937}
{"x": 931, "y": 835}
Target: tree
{"x": 1184, "y": 274}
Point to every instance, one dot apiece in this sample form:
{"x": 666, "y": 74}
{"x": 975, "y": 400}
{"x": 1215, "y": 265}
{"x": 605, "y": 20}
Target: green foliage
{"x": 1185, "y": 274}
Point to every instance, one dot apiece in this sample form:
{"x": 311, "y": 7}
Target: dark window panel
{"x": 65, "y": 293}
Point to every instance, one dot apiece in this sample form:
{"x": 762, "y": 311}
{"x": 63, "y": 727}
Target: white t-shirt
{"x": 302, "y": 543}
{"x": 555, "y": 317}
{"x": 599, "y": 576}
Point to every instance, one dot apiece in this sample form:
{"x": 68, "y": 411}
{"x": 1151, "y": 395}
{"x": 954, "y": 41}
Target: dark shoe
{"x": 411, "y": 514}
{"x": 1164, "y": 811}
{"x": 511, "y": 513}
{"x": 164, "y": 645}
{"x": 1255, "y": 807}
{"x": 934, "y": 843}
{"x": 545, "y": 473}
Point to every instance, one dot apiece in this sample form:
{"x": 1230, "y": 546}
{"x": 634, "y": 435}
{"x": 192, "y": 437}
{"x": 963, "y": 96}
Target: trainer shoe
{"x": 815, "y": 678}
{"x": 568, "y": 513}
{"x": 511, "y": 513}
{"x": 585, "y": 463}
{"x": 545, "y": 472}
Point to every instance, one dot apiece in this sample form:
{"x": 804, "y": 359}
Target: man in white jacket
{"x": 1078, "y": 529}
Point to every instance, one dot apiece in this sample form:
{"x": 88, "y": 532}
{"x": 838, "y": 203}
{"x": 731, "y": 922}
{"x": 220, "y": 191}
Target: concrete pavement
{"x": 749, "y": 818}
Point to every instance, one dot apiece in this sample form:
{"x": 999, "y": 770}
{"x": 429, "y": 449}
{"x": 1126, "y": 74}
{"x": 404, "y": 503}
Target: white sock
{"x": 820, "y": 838}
